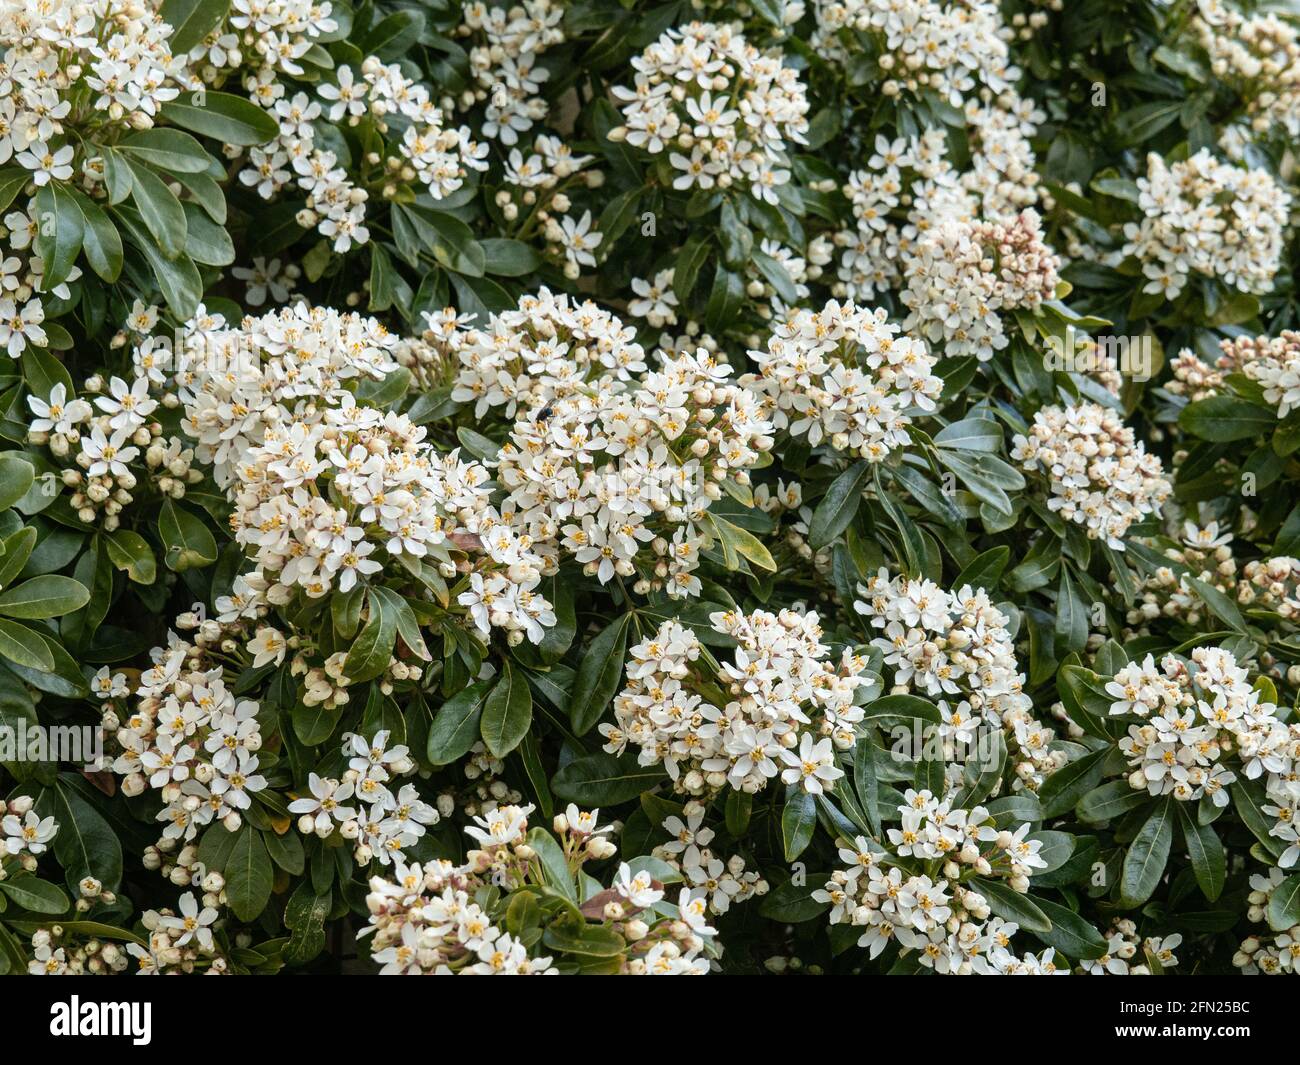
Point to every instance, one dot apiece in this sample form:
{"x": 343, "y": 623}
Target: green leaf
{"x": 1071, "y": 616}
{"x": 16, "y": 477}
{"x": 587, "y": 940}
{"x": 130, "y": 551}
{"x": 15, "y": 550}
{"x": 1284, "y": 904}
{"x": 188, "y": 541}
{"x": 1012, "y": 906}
{"x": 168, "y": 150}
{"x": 20, "y": 645}
{"x": 1144, "y": 862}
{"x": 555, "y": 866}
{"x": 205, "y": 241}
{"x": 48, "y": 596}
{"x": 531, "y": 756}
{"x": 983, "y": 774}
{"x": 1248, "y": 800}
{"x": 776, "y": 275}
{"x": 222, "y": 116}
{"x": 791, "y": 903}
{"x": 986, "y": 476}
{"x": 248, "y": 874}
{"x": 984, "y": 569}
{"x": 693, "y": 255}
{"x": 604, "y": 780}
{"x": 455, "y": 727}
{"x": 191, "y": 21}
{"x": 117, "y": 176}
{"x": 972, "y": 434}
{"x": 866, "y": 781}
{"x": 725, "y": 299}
{"x": 160, "y": 211}
{"x": 1064, "y": 788}
{"x": 598, "y": 675}
{"x": 205, "y": 192}
{"x": 740, "y": 543}
{"x": 1206, "y": 852}
{"x": 557, "y": 639}
{"x": 798, "y": 820}
{"x": 1141, "y": 123}
{"x": 1110, "y": 801}
{"x": 1220, "y": 605}
{"x": 13, "y": 179}
{"x": 737, "y": 812}
{"x": 85, "y": 845}
{"x": 507, "y": 713}
{"x": 100, "y": 239}
{"x": 452, "y": 241}
{"x": 1055, "y": 851}
{"x": 36, "y": 895}
{"x": 177, "y": 277}
{"x": 1070, "y": 934}
{"x": 60, "y": 228}
{"x": 1084, "y": 694}
{"x": 372, "y": 651}
{"x": 286, "y": 851}
{"x": 1226, "y": 418}
{"x": 839, "y": 505}
{"x": 509, "y": 258}
{"x": 305, "y": 914}
{"x": 904, "y": 708}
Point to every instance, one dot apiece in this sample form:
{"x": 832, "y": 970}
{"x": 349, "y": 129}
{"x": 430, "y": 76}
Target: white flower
{"x": 267, "y": 646}
{"x": 193, "y": 923}
{"x": 812, "y": 766}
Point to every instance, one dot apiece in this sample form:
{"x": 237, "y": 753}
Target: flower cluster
{"x": 503, "y": 55}
{"x": 536, "y": 199}
{"x": 190, "y": 739}
{"x": 721, "y": 884}
{"x": 960, "y": 244}
{"x": 790, "y": 709}
{"x": 1271, "y": 955}
{"x": 1197, "y": 726}
{"x": 962, "y": 276}
{"x": 547, "y": 348}
{"x": 313, "y": 501}
{"x": 950, "y": 50}
{"x": 436, "y": 156}
{"x": 1204, "y": 217}
{"x": 947, "y": 922}
{"x": 1204, "y": 554}
{"x": 325, "y": 505}
{"x": 956, "y": 646}
{"x": 704, "y": 90}
{"x": 844, "y": 375}
{"x": 1272, "y": 362}
{"x": 59, "y": 952}
{"x": 1258, "y": 54}
{"x": 1122, "y": 946}
{"x": 270, "y": 38}
{"x": 1101, "y": 476}
{"x": 622, "y": 478}
{"x": 111, "y": 448}
{"x": 385, "y": 823}
{"x": 287, "y": 366}
{"x": 432, "y": 919}
{"x": 1272, "y": 584}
